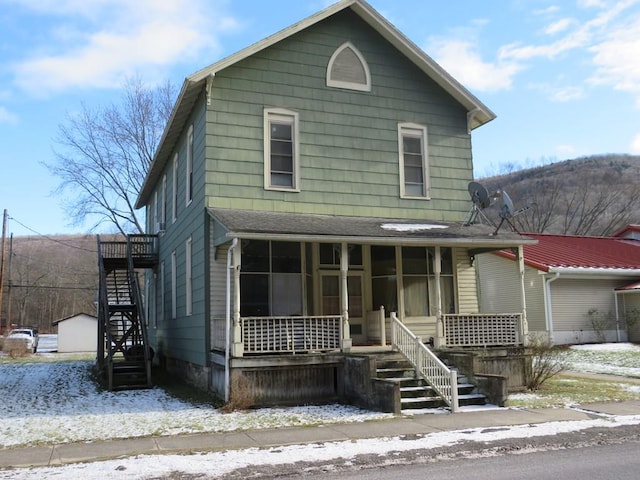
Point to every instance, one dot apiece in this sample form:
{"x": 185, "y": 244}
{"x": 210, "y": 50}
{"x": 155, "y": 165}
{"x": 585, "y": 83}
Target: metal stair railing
{"x": 428, "y": 366}
{"x": 137, "y": 301}
{"x": 104, "y": 332}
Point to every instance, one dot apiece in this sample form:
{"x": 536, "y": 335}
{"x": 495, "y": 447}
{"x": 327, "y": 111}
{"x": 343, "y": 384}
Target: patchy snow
{"x": 608, "y": 358}
{"x": 219, "y": 463}
{"x": 58, "y": 403}
{"x": 411, "y": 227}
{"x": 609, "y": 347}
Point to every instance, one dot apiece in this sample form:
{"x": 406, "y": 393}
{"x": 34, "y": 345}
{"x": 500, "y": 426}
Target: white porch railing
{"x": 483, "y": 330}
{"x": 428, "y": 366}
{"x": 291, "y": 334}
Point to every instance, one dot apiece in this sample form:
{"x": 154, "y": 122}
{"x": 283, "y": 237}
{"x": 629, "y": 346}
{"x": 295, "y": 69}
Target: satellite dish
{"x": 481, "y": 200}
{"x": 479, "y": 195}
{"x": 506, "y": 209}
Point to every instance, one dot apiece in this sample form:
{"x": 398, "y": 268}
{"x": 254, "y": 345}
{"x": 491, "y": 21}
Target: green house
{"x": 309, "y": 197}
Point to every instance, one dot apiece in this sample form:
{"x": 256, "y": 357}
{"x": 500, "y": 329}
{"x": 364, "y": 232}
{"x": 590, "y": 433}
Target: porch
{"x": 295, "y": 335}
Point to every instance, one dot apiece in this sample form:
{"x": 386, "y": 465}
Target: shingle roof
{"x": 254, "y": 224}
{"x": 565, "y": 251}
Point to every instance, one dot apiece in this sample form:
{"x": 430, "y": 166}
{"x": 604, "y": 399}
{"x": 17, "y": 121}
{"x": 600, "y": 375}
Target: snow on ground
{"x": 609, "y": 358}
{"x": 57, "y": 402}
{"x": 219, "y": 463}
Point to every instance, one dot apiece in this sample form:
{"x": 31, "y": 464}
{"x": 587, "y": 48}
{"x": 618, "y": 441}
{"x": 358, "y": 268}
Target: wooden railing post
{"x": 383, "y": 329}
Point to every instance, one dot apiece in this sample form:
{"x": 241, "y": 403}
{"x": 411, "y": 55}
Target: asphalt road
{"x": 599, "y": 453}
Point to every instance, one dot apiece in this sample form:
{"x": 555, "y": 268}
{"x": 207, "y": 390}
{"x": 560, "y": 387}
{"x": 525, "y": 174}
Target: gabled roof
{"x": 194, "y": 84}
{"x": 335, "y": 228}
{"x": 628, "y": 231}
{"x": 566, "y": 253}
{"x": 56, "y": 322}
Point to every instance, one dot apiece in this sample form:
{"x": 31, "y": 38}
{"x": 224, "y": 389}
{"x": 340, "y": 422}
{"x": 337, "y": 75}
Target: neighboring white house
{"x": 77, "y": 333}
{"x": 577, "y": 289}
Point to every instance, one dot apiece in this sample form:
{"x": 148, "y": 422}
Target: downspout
{"x": 615, "y": 303}
{"x": 547, "y": 302}
{"x": 227, "y": 350}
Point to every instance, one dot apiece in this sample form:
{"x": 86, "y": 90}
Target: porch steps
{"x": 415, "y": 393}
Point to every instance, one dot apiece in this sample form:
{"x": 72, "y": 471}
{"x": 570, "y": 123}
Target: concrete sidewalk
{"x": 206, "y": 442}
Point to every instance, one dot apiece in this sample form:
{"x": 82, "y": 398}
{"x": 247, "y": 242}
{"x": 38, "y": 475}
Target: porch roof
{"x": 334, "y": 228}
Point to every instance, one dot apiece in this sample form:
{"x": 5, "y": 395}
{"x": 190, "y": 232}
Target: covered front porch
{"x": 312, "y": 285}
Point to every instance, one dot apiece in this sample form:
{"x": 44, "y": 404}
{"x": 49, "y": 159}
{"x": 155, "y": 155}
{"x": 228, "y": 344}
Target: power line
{"x": 51, "y": 238}
{"x": 52, "y": 287}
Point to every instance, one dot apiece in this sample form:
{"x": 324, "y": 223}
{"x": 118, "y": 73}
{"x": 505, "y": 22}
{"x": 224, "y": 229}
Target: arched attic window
{"x": 348, "y": 69}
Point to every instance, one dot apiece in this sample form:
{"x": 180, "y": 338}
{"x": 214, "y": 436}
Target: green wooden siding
{"x": 184, "y": 337}
{"x": 348, "y": 139}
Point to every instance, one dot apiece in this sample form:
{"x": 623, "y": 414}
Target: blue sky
{"x": 562, "y": 76}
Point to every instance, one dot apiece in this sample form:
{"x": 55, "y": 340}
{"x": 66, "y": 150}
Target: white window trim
{"x": 349, "y": 85}
{"x": 188, "y": 278}
{"x": 163, "y": 204}
{"x": 420, "y": 131}
{"x": 162, "y": 297}
{"x": 174, "y": 296}
{"x": 188, "y": 189}
{"x": 174, "y": 186}
{"x": 288, "y": 116}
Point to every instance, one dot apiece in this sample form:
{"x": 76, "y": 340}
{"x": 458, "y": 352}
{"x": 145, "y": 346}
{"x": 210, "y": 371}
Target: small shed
{"x": 77, "y": 333}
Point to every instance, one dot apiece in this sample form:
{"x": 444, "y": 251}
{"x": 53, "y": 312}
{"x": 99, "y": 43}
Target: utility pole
{"x": 9, "y": 276}
{"x": 2, "y": 259}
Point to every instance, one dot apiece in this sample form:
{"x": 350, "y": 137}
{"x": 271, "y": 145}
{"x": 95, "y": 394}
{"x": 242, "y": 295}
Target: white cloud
{"x": 558, "y": 26}
{"x": 461, "y": 60}
{"x": 559, "y": 94}
{"x": 618, "y": 59}
{"x": 583, "y": 36}
{"x": 635, "y": 145}
{"x": 565, "y": 151}
{"x": 97, "y": 45}
{"x": 7, "y": 117}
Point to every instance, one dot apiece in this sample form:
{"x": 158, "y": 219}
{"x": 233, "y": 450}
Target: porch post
{"x": 237, "y": 349}
{"x": 439, "y": 341}
{"x": 523, "y": 303}
{"x": 344, "y": 268}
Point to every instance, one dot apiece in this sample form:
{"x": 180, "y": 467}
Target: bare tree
{"x": 105, "y": 154}
{"x": 589, "y": 196}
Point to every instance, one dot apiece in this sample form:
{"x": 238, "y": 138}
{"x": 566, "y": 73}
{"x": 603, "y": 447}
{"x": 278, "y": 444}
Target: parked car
{"x": 26, "y": 336}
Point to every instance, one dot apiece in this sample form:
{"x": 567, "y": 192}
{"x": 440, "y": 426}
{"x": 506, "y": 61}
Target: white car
{"x": 27, "y": 336}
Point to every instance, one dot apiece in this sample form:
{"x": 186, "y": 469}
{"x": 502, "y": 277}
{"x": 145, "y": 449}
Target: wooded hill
{"x": 49, "y": 278}
{"x": 595, "y": 195}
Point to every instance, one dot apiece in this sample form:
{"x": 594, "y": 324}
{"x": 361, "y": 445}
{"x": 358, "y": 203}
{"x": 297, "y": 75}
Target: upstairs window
{"x": 281, "y": 158}
{"x": 174, "y": 189}
{"x": 348, "y": 69}
{"x": 414, "y": 164}
{"x": 189, "y": 166}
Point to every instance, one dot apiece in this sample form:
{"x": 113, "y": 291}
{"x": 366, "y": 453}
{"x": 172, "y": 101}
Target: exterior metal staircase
{"x": 124, "y": 355}
{"x": 415, "y": 392}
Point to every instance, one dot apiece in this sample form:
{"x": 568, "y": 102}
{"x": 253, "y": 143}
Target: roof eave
{"x": 196, "y": 81}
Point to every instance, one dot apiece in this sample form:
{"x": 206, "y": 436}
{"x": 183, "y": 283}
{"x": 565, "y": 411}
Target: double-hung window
{"x": 281, "y": 156}
{"x": 189, "y": 167}
{"x": 414, "y": 161}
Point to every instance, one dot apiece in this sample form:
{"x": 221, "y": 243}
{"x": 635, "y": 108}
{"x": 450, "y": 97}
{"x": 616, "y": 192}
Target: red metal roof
{"x": 566, "y": 251}
{"x": 628, "y": 228}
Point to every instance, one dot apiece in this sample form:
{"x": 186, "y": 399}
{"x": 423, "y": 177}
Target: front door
{"x": 330, "y": 301}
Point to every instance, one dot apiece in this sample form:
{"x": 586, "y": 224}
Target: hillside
{"x": 49, "y": 278}
{"x": 594, "y": 195}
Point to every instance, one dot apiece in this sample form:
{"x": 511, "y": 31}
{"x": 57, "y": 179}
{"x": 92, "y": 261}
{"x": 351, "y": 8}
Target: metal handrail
{"x": 137, "y": 301}
{"x": 428, "y": 366}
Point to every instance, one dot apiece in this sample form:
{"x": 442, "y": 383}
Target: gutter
{"x": 547, "y": 301}
{"x": 227, "y": 350}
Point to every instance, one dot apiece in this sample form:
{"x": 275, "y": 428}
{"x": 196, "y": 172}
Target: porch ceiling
{"x": 330, "y": 228}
